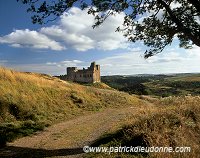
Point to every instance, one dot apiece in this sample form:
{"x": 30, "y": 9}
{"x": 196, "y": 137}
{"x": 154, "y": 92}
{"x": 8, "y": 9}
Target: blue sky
{"x": 71, "y": 41}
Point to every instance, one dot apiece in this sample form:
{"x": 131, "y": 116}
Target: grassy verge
{"x": 172, "y": 122}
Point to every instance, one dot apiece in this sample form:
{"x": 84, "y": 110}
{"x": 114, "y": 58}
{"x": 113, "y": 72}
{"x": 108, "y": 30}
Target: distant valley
{"x": 163, "y": 85}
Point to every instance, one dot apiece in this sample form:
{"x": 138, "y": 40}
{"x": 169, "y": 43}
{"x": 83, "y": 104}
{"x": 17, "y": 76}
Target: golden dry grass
{"x": 47, "y": 100}
{"x": 168, "y": 122}
{"x": 46, "y": 95}
{"x": 27, "y": 99}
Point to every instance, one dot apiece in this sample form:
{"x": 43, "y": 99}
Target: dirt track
{"x": 67, "y": 139}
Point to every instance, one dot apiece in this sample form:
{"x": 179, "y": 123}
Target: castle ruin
{"x": 89, "y": 75}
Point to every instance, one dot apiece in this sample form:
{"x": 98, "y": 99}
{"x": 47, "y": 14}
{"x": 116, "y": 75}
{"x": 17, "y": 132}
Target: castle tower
{"x": 93, "y": 65}
{"x": 96, "y": 72}
{"x": 71, "y": 73}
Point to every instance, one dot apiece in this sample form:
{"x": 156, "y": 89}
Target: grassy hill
{"x": 99, "y": 85}
{"x": 30, "y": 101}
{"x": 157, "y": 85}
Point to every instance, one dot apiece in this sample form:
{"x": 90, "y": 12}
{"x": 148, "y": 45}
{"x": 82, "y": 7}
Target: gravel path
{"x": 67, "y": 139}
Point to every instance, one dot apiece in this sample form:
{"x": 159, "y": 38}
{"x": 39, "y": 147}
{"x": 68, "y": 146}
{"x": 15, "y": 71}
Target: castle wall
{"x": 90, "y": 75}
{"x": 84, "y": 76}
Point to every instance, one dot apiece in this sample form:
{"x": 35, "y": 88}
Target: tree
{"x": 155, "y": 22}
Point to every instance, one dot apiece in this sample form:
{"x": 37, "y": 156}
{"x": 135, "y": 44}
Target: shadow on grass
{"x": 12, "y": 131}
{"x": 120, "y": 139}
{"x": 22, "y": 152}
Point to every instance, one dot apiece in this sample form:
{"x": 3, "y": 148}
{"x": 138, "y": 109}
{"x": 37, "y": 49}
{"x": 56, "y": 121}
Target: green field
{"x": 157, "y": 85}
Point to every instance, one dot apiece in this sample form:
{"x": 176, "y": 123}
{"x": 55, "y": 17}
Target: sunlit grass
{"x": 169, "y": 122}
{"x": 46, "y": 100}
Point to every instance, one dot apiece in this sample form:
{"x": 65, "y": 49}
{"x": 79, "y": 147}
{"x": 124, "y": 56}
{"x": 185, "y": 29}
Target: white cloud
{"x": 128, "y": 63}
{"x": 16, "y": 45}
{"x": 170, "y": 56}
{"x": 52, "y": 68}
{"x": 72, "y": 61}
{"x": 194, "y": 52}
{"x": 33, "y": 39}
{"x": 122, "y": 64}
{"x": 66, "y": 63}
{"x": 75, "y": 30}
{"x": 39, "y": 68}
{"x": 132, "y": 62}
{"x": 51, "y": 63}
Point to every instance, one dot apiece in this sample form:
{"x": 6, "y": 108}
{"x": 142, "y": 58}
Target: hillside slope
{"x": 84, "y": 115}
{"x": 168, "y": 122}
{"x": 29, "y": 102}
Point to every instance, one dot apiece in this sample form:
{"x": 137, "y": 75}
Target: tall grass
{"x": 44, "y": 100}
{"x": 171, "y": 122}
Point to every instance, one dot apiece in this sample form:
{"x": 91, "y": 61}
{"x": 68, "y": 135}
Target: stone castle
{"x": 89, "y": 75}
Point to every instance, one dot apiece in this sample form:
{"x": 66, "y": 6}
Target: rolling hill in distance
{"x": 162, "y": 85}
